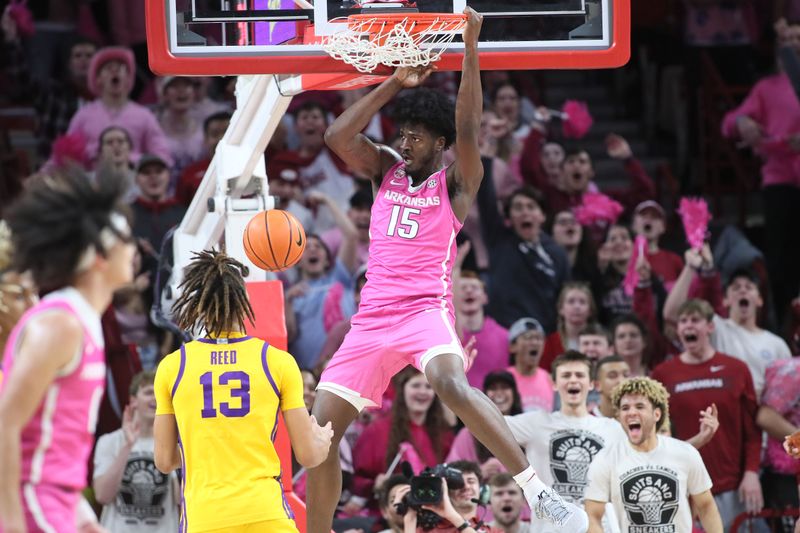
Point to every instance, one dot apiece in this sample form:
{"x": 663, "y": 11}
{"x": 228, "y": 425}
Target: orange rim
{"x": 417, "y": 22}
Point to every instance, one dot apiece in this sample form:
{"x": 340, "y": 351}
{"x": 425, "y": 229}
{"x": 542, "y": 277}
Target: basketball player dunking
{"x": 406, "y": 311}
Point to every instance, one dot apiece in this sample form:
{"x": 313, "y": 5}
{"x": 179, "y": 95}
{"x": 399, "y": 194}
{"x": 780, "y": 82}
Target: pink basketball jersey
{"x": 57, "y": 441}
{"x": 412, "y": 243}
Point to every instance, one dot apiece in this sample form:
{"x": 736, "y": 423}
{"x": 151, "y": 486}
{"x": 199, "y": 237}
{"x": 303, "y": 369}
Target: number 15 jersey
{"x": 412, "y": 244}
{"x": 226, "y": 394}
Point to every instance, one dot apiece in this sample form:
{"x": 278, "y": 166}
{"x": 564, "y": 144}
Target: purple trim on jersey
{"x": 184, "y": 527}
{"x": 275, "y": 424}
{"x": 234, "y": 340}
{"x": 180, "y": 370}
{"x": 267, "y": 372}
{"x": 286, "y": 508}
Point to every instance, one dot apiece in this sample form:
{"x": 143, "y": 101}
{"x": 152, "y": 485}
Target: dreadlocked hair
{"x": 213, "y": 294}
{"x": 650, "y": 389}
{"x": 57, "y": 218}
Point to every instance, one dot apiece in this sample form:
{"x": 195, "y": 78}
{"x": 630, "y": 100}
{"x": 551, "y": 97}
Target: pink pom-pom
{"x": 632, "y": 276}
{"x": 22, "y": 16}
{"x": 578, "y": 121}
{"x": 410, "y": 454}
{"x": 695, "y": 216}
{"x": 70, "y": 149}
{"x": 597, "y": 207}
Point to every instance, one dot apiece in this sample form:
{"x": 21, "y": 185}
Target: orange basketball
{"x": 274, "y": 240}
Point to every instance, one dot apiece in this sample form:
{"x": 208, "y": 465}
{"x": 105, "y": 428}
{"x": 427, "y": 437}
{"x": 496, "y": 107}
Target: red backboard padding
{"x": 266, "y": 297}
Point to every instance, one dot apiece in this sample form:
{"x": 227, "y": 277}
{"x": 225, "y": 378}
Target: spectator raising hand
{"x": 617, "y": 147}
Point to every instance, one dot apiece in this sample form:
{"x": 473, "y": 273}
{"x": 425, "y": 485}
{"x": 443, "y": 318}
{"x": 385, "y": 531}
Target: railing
{"x": 743, "y": 523}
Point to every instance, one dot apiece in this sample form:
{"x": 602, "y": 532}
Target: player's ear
{"x": 440, "y": 144}
{"x": 657, "y": 414}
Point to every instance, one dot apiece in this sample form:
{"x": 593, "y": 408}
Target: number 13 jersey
{"x": 412, "y": 243}
{"x": 226, "y": 394}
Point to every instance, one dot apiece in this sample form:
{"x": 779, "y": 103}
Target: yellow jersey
{"x": 226, "y": 394}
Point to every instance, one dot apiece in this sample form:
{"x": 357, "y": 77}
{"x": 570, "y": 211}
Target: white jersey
{"x": 560, "y": 448}
{"x": 756, "y": 349}
{"x": 649, "y": 491}
{"x": 146, "y": 499}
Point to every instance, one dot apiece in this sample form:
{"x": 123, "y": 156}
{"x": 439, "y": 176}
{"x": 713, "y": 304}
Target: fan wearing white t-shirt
{"x": 653, "y": 481}
{"x": 561, "y": 445}
{"x": 738, "y": 336}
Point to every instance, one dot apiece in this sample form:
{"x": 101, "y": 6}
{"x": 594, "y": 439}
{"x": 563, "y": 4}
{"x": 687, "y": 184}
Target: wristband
{"x": 463, "y": 526}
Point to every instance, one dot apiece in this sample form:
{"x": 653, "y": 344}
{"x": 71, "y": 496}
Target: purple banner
{"x": 273, "y": 33}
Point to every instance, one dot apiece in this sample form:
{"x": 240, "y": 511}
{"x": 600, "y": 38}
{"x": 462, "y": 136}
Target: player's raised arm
{"x": 344, "y": 136}
{"x": 469, "y": 108}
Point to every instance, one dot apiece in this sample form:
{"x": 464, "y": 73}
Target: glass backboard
{"x": 231, "y": 37}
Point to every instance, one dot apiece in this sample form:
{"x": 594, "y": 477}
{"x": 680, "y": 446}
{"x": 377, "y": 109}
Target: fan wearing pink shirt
{"x": 768, "y": 121}
{"x": 526, "y": 344}
{"x": 491, "y": 339}
{"x": 111, "y": 75}
{"x": 78, "y": 247}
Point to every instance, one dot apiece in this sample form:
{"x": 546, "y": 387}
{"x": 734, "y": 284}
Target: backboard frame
{"x": 493, "y": 56}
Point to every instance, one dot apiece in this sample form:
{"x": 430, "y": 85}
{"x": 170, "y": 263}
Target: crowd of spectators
{"x": 541, "y": 297}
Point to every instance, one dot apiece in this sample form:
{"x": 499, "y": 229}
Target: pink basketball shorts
{"x": 380, "y": 343}
{"x": 50, "y": 509}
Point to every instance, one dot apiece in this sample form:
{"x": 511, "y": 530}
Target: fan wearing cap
{"x": 183, "y": 130}
{"x": 649, "y": 221}
{"x": 562, "y": 444}
{"x": 526, "y": 345}
{"x": 284, "y": 184}
{"x": 111, "y": 77}
{"x": 155, "y": 212}
{"x": 214, "y": 128}
{"x": 739, "y": 335}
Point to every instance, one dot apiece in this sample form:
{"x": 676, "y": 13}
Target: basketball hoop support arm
{"x": 237, "y": 168}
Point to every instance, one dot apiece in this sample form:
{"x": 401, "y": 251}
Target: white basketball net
{"x": 371, "y": 42}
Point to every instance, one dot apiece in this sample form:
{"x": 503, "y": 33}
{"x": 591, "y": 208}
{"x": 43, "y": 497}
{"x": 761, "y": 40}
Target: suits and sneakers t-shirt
{"x": 649, "y": 490}
{"x": 146, "y": 500}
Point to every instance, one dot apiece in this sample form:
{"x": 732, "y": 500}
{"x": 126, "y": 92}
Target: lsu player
{"x": 77, "y": 245}
{"x": 217, "y": 404}
{"x": 406, "y": 312}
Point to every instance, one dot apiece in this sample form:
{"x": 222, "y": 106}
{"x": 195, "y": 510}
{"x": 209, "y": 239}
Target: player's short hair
{"x": 61, "y": 216}
{"x": 431, "y": 109}
{"x": 386, "y": 488}
{"x": 220, "y": 116}
{"x": 142, "y": 379}
{"x": 501, "y": 479}
{"x": 526, "y": 191}
{"x": 606, "y": 361}
{"x": 570, "y": 356}
{"x": 697, "y": 306}
{"x": 595, "y": 329}
{"x": 468, "y": 467}
{"x": 647, "y": 387}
